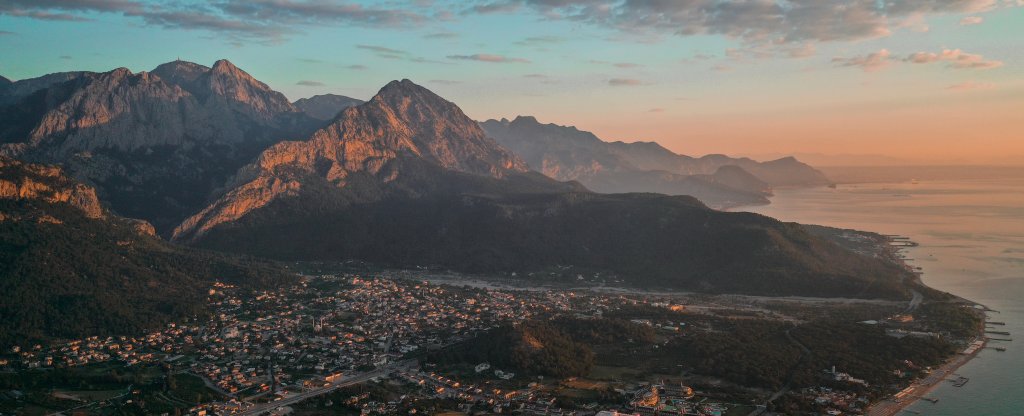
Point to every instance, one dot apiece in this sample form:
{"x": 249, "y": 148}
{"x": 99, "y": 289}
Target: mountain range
{"x": 566, "y": 153}
{"x": 225, "y": 167}
{"x": 154, "y": 144}
{"x": 407, "y": 179}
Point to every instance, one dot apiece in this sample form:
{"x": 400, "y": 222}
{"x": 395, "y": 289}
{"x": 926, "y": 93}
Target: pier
{"x": 960, "y": 381}
{"x": 997, "y": 332}
{"x": 1000, "y": 339}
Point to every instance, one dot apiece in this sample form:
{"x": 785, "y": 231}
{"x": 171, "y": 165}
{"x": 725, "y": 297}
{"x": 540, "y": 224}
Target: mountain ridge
{"x": 566, "y": 152}
{"x": 156, "y": 144}
{"x": 325, "y": 106}
{"x": 406, "y": 179}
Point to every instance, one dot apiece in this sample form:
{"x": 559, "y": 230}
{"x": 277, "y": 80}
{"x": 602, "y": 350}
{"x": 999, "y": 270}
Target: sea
{"x": 971, "y": 236}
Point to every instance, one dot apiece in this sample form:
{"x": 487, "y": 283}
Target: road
{"x": 344, "y": 382}
{"x": 914, "y": 301}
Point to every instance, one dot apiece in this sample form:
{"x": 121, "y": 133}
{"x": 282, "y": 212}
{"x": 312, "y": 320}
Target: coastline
{"x": 916, "y": 391}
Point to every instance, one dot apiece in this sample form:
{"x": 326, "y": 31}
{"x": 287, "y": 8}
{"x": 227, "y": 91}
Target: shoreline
{"x": 916, "y": 391}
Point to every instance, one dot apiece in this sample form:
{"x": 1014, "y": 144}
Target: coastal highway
{"x": 344, "y": 382}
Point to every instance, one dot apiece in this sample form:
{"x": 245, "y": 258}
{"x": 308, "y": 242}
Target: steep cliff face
{"x": 564, "y": 152}
{"x": 156, "y": 145}
{"x": 325, "y": 106}
{"x": 370, "y": 143}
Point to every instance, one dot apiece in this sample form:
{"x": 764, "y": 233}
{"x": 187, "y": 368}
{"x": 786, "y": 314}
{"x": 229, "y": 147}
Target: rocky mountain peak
{"x": 401, "y": 129}
{"x": 232, "y": 85}
{"x": 4, "y": 81}
{"x": 180, "y": 72}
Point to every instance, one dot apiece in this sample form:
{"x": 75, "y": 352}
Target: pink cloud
{"x": 971, "y": 20}
{"x": 971, "y": 85}
{"x": 871, "y": 62}
{"x": 955, "y": 58}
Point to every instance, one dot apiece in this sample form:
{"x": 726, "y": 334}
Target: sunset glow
{"x": 920, "y": 81}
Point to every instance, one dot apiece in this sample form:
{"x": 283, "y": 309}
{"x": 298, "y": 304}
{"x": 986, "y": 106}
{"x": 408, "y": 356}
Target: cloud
{"x": 871, "y": 62}
{"x": 382, "y": 49}
{"x": 263, "y": 21}
{"x": 307, "y": 83}
{"x": 7, "y": 33}
{"x": 954, "y": 58}
{"x": 971, "y": 85}
{"x": 65, "y": 57}
{"x": 624, "y": 82}
{"x": 971, "y": 20}
{"x": 540, "y": 40}
{"x": 541, "y": 76}
{"x": 357, "y": 67}
{"x": 616, "y": 64}
{"x": 441, "y": 35}
{"x": 398, "y": 54}
{"x": 656, "y": 110}
{"x": 753, "y": 22}
{"x": 445, "y": 82}
{"x": 483, "y": 57}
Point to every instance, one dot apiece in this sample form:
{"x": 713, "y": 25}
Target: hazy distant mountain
{"x": 157, "y": 144}
{"x": 564, "y": 152}
{"x": 4, "y": 81}
{"x": 407, "y": 179}
{"x": 326, "y": 106}
{"x": 69, "y": 268}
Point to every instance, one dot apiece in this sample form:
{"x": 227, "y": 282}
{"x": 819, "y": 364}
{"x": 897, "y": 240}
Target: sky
{"x": 831, "y": 81}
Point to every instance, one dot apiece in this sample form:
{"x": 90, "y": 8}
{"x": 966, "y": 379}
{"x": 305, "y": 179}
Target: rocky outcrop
{"x": 325, "y": 106}
{"x": 27, "y": 181}
{"x": 368, "y": 141}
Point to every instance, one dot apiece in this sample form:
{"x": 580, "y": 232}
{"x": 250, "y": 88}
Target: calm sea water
{"x": 971, "y": 236}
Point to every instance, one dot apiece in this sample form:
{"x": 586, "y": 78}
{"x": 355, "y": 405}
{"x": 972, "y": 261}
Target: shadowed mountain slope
{"x": 69, "y": 268}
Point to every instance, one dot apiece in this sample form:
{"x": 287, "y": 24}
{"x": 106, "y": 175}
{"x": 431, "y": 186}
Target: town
{"x": 363, "y": 342}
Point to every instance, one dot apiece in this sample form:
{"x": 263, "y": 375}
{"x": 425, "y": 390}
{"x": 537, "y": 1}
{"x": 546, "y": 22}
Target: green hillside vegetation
{"x": 66, "y": 275}
{"x": 530, "y": 348}
{"x": 650, "y": 240}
